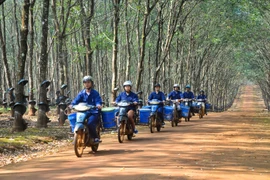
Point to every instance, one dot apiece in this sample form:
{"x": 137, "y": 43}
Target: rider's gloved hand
{"x": 99, "y": 106}
{"x": 135, "y": 103}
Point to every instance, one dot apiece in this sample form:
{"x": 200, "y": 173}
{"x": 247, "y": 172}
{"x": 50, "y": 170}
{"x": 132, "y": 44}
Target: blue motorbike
{"x": 154, "y": 119}
{"x": 124, "y": 124}
{"x": 82, "y": 138}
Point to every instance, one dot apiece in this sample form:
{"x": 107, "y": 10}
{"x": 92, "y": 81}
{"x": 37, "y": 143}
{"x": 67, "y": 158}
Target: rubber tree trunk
{"x": 43, "y": 104}
{"x": 20, "y": 124}
{"x": 116, "y": 4}
{"x": 32, "y": 109}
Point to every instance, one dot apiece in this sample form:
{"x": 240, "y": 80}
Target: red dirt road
{"x": 229, "y": 145}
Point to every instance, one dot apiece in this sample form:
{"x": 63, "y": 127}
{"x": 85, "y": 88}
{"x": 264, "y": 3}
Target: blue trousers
{"x": 160, "y": 113}
{"x": 92, "y": 121}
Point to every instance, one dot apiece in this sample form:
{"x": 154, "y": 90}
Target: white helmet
{"x": 176, "y": 85}
{"x": 87, "y": 78}
{"x": 127, "y": 83}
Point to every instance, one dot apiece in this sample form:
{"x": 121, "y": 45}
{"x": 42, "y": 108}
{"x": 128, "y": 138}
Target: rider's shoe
{"x": 97, "y": 140}
{"x": 135, "y": 131}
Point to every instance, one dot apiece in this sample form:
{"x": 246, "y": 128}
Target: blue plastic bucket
{"x": 144, "y": 115}
{"x": 72, "y": 121}
{"x": 185, "y": 111}
{"x": 146, "y": 107}
{"x": 168, "y": 110}
{"x": 108, "y": 117}
{"x": 207, "y": 106}
{"x": 168, "y": 113}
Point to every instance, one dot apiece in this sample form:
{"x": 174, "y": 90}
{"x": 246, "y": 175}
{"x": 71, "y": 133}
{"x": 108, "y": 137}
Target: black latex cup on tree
{"x": 43, "y": 106}
{"x": 20, "y": 108}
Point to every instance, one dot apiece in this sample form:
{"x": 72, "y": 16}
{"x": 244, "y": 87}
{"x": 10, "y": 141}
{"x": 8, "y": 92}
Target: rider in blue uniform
{"x": 203, "y": 97}
{"x": 129, "y": 96}
{"x": 189, "y": 95}
{"x": 91, "y": 97}
{"x": 157, "y": 94}
{"x": 176, "y": 94}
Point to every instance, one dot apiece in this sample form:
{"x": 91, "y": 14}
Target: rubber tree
{"x": 116, "y": 9}
{"x": 19, "y": 110}
{"x": 43, "y": 104}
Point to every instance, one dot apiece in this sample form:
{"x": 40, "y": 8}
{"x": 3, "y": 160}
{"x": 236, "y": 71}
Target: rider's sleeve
{"x": 192, "y": 96}
{"x": 163, "y": 97}
{"x": 118, "y": 99}
{"x": 98, "y": 100}
{"x": 170, "y": 95}
{"x": 77, "y": 99}
{"x": 135, "y": 98}
{"x": 150, "y": 96}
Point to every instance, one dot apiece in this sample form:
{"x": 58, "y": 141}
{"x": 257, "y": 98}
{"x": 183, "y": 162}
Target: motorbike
{"x": 187, "y": 102}
{"x": 154, "y": 119}
{"x": 176, "y": 116}
{"x": 82, "y": 137}
{"x": 124, "y": 124}
{"x": 201, "y": 106}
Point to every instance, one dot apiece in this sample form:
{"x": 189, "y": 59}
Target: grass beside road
{"x": 31, "y": 137}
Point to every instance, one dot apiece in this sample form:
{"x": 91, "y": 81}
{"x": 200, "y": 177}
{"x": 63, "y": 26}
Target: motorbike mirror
{"x": 116, "y": 89}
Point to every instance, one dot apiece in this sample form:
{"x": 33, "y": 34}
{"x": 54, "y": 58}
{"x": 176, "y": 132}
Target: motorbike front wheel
{"x": 175, "y": 118}
{"x": 129, "y": 136}
{"x": 79, "y": 143}
{"x": 121, "y": 132}
{"x": 152, "y": 124}
{"x": 200, "y": 114}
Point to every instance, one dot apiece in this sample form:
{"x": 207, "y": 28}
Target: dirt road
{"x": 229, "y": 145}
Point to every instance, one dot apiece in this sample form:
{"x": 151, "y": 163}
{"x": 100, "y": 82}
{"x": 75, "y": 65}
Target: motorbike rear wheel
{"x": 152, "y": 124}
{"x": 158, "y": 123}
{"x": 79, "y": 143}
{"x": 95, "y": 147}
{"x": 121, "y": 132}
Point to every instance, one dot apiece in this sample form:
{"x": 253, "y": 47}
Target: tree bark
{"x": 116, "y": 4}
{"x": 4, "y": 56}
{"x": 32, "y": 109}
{"x": 43, "y": 107}
{"x": 19, "y": 110}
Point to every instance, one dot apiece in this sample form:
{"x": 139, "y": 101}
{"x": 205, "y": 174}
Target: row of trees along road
{"x": 211, "y": 45}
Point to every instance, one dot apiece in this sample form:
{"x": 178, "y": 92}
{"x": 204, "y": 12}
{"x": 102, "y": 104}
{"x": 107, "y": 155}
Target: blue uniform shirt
{"x": 202, "y": 97}
{"x": 188, "y": 95}
{"x": 159, "y": 96}
{"x": 175, "y": 95}
{"x": 93, "y": 98}
{"x": 131, "y": 97}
